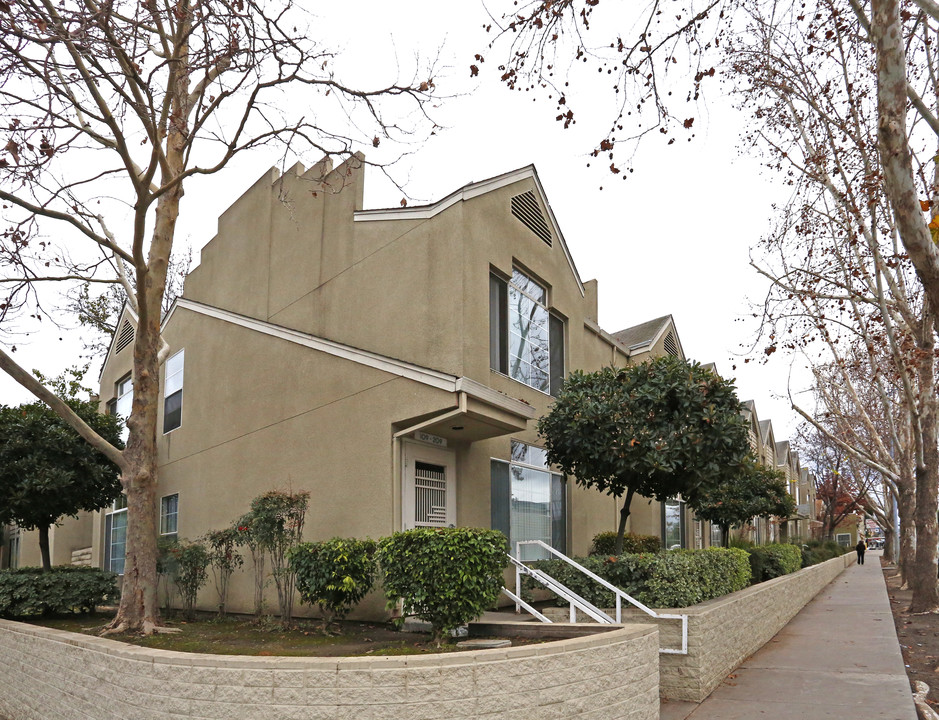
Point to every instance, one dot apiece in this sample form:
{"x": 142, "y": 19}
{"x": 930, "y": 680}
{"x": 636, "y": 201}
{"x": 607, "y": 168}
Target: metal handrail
{"x": 617, "y": 592}
{"x": 575, "y": 600}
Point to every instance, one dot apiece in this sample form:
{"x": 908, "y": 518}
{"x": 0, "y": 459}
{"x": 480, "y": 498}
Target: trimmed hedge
{"x": 773, "y": 560}
{"x": 674, "y": 579}
{"x": 28, "y": 591}
{"x": 446, "y": 576}
{"x": 817, "y": 551}
{"x": 603, "y": 543}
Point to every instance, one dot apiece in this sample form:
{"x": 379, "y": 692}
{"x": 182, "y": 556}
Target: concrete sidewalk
{"x": 838, "y": 658}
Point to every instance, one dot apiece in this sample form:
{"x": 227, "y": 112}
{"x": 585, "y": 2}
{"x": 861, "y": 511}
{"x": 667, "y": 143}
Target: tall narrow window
{"x": 673, "y": 524}
{"x": 115, "y": 536}
{"x": 528, "y": 501}
{"x": 169, "y": 515}
{"x": 526, "y": 342}
{"x": 123, "y": 401}
{"x": 173, "y": 392}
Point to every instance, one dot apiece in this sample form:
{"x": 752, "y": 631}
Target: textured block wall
{"x": 49, "y": 674}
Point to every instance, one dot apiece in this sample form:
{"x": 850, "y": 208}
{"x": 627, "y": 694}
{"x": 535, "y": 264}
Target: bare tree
{"x": 845, "y": 295}
{"x": 109, "y": 110}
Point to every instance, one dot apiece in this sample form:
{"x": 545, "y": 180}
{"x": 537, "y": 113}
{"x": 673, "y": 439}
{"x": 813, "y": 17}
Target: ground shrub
{"x": 818, "y": 551}
{"x": 673, "y": 579}
{"x": 189, "y": 573}
{"x": 29, "y": 591}
{"x": 334, "y": 574}
{"x": 603, "y": 543}
{"x": 445, "y": 576}
{"x": 773, "y": 560}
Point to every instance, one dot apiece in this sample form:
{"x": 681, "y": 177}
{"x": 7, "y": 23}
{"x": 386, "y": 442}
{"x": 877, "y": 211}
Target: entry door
{"x": 429, "y": 493}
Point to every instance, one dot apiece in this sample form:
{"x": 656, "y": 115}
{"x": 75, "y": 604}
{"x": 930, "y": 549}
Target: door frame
{"x": 413, "y": 452}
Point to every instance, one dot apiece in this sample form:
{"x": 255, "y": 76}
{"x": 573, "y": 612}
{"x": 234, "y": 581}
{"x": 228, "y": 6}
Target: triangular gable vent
{"x": 525, "y": 208}
{"x": 125, "y": 338}
{"x": 671, "y": 347}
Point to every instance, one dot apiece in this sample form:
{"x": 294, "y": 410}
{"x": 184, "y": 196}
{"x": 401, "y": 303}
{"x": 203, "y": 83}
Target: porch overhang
{"x": 476, "y": 412}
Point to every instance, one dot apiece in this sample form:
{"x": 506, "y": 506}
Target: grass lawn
{"x": 237, "y": 635}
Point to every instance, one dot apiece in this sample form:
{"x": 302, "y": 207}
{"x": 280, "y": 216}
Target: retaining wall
{"x": 724, "y": 632}
{"x": 50, "y": 674}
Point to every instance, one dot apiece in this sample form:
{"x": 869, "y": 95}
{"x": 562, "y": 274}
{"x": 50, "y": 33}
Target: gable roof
{"x": 643, "y": 334}
{"x": 467, "y": 192}
{"x": 782, "y": 452}
{"x": 126, "y": 317}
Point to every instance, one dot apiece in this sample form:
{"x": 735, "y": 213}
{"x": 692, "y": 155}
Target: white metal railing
{"x": 576, "y": 601}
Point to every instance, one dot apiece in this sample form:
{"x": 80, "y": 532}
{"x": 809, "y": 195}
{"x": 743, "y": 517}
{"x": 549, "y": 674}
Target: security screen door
{"x": 429, "y": 487}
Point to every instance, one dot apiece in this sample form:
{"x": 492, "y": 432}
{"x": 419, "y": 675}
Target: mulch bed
{"x": 245, "y": 636}
{"x": 918, "y": 635}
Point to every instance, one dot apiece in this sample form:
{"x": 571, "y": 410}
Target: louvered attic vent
{"x": 125, "y": 338}
{"x": 526, "y": 209}
{"x": 671, "y": 347}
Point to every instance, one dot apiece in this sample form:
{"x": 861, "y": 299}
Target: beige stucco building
{"x": 393, "y": 363}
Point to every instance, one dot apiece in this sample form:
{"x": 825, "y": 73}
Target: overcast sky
{"x": 674, "y": 238}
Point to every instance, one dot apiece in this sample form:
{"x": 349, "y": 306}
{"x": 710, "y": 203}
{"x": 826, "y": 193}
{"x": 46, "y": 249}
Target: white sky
{"x": 674, "y": 238}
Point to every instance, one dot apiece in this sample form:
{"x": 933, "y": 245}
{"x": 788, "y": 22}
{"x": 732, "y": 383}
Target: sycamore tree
{"x": 657, "y": 429}
{"x": 47, "y": 471}
{"x": 752, "y": 491}
{"x": 110, "y": 112}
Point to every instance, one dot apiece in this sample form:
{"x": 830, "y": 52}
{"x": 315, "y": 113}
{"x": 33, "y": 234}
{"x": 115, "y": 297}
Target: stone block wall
{"x": 49, "y": 674}
{"x": 724, "y": 632}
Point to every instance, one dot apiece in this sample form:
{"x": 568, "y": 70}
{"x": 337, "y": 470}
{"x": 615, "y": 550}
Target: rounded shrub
{"x": 773, "y": 560}
{"x": 445, "y": 576}
{"x": 334, "y": 574}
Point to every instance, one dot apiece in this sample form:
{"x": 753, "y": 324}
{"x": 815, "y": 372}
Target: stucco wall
{"x": 724, "y": 632}
{"x": 49, "y": 674}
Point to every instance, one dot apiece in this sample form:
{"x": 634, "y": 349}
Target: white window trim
{"x": 175, "y": 532}
{"x": 181, "y": 390}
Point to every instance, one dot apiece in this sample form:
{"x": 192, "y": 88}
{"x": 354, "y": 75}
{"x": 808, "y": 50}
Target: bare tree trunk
{"x": 44, "y": 547}
{"x": 895, "y": 152}
{"x": 923, "y": 580}
{"x": 906, "y": 507}
{"x": 623, "y": 517}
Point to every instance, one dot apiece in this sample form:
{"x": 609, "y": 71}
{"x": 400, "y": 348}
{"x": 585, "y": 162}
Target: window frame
{"x": 501, "y": 498}
{"x": 118, "y": 508}
{"x": 499, "y": 329}
{"x": 682, "y": 530}
{"x": 177, "y": 414}
{"x": 164, "y": 517}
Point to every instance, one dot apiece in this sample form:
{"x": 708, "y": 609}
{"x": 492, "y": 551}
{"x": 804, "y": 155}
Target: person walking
{"x": 860, "y": 547}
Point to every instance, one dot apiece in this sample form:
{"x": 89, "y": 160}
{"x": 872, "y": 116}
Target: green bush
{"x": 603, "y": 543}
{"x": 445, "y": 576}
{"x": 674, "y": 579}
{"x": 817, "y": 551}
{"x": 773, "y": 560}
{"x": 29, "y": 591}
{"x": 334, "y": 574}
{"x": 189, "y": 571}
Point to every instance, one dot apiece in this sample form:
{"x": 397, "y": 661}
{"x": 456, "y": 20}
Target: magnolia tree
{"x": 109, "y": 112}
{"x": 753, "y": 491}
{"x": 657, "y": 429}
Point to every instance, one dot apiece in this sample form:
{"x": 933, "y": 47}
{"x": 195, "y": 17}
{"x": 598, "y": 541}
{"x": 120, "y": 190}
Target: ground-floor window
{"x": 673, "y": 523}
{"x": 529, "y": 501}
{"x": 716, "y": 538}
{"x": 843, "y": 539}
{"x": 115, "y": 536}
{"x": 169, "y": 515}
{"x": 12, "y": 560}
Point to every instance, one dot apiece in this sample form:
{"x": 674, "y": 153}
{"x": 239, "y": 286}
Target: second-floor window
{"x": 526, "y": 341}
{"x": 123, "y": 401}
{"x": 173, "y": 392}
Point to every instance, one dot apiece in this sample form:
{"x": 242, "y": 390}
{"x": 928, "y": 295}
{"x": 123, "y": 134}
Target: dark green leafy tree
{"x": 47, "y": 471}
{"x": 754, "y": 491}
{"x": 656, "y": 429}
